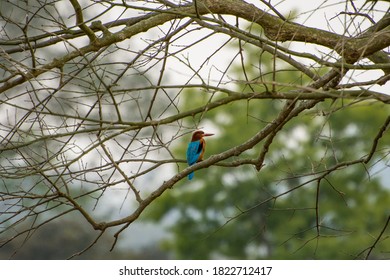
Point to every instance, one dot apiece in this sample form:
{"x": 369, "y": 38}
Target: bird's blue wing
{"x": 193, "y": 152}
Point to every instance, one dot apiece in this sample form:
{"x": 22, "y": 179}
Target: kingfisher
{"x": 196, "y": 148}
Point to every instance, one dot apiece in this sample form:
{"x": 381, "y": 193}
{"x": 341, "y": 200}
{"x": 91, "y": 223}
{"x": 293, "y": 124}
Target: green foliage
{"x": 351, "y": 206}
{"x": 293, "y": 208}
{"x": 64, "y": 238}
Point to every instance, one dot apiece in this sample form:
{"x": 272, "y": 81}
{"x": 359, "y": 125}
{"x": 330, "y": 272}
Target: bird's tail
{"x": 191, "y": 175}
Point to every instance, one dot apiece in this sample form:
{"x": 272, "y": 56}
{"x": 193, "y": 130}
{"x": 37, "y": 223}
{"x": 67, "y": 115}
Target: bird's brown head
{"x": 199, "y": 134}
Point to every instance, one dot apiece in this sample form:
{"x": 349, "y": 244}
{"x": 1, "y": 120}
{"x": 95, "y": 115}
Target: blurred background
{"x": 314, "y": 198}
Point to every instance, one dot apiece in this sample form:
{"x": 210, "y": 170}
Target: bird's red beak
{"x": 208, "y": 134}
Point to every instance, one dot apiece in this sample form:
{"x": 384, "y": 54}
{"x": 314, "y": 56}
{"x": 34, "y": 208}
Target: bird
{"x": 196, "y": 149}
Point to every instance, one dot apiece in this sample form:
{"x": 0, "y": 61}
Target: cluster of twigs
{"x": 87, "y": 107}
